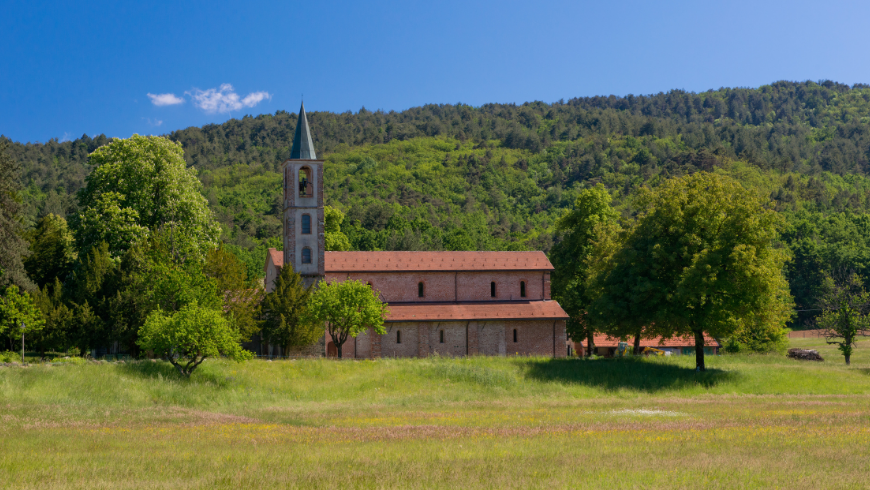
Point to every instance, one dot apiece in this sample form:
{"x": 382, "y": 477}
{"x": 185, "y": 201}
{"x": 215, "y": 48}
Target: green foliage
{"x": 846, "y": 313}
{"x": 141, "y": 185}
{"x": 241, "y": 297}
{"x": 287, "y": 322}
{"x": 701, "y": 258}
{"x": 16, "y": 311}
{"x": 347, "y": 308}
{"x": 53, "y": 251}
{"x": 571, "y": 256}
{"x": 12, "y": 245}
{"x": 189, "y": 336}
{"x": 58, "y": 316}
{"x": 336, "y": 241}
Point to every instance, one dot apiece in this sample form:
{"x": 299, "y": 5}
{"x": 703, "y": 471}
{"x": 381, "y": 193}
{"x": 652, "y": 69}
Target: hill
{"x": 456, "y": 177}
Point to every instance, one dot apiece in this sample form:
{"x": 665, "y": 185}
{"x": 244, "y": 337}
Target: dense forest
{"x": 456, "y": 177}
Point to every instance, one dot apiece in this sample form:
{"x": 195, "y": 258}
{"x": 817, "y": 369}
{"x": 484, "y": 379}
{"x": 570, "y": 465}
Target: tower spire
{"x": 303, "y": 145}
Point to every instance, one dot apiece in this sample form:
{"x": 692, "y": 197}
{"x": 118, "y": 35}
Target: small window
{"x": 492, "y": 289}
{"x": 419, "y": 289}
{"x": 441, "y": 336}
{"x": 306, "y": 255}
{"x": 305, "y": 182}
{"x": 398, "y": 336}
{"x": 515, "y": 336}
{"x": 522, "y": 289}
{"x": 306, "y": 224}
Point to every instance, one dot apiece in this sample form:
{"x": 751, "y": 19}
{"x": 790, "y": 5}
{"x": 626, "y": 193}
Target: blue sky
{"x": 70, "y": 68}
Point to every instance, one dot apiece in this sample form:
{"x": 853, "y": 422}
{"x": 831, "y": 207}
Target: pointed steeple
{"x": 303, "y": 145}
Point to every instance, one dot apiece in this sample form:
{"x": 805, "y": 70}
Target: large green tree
{"x": 18, "y": 315}
{"x": 347, "y": 308}
{"x": 53, "y": 250}
{"x": 141, "y": 185}
{"x": 12, "y": 246}
{"x": 571, "y": 258}
{"x": 702, "y": 257}
{"x": 287, "y": 322}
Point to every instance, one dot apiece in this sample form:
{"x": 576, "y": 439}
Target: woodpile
{"x": 805, "y": 354}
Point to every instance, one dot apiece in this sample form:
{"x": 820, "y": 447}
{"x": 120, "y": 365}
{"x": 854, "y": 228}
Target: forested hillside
{"x": 456, "y": 177}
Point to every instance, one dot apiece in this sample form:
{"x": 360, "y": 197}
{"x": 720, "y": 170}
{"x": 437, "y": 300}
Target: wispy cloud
{"x": 225, "y": 99}
{"x": 154, "y": 122}
{"x": 65, "y": 137}
{"x": 165, "y": 99}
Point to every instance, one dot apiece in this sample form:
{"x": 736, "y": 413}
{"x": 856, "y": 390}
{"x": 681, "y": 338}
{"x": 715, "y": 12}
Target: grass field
{"x": 749, "y": 422}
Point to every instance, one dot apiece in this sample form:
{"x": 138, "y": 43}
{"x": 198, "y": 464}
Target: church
{"x": 441, "y": 303}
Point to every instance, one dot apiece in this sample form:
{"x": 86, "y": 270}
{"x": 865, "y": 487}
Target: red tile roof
{"x": 515, "y": 310}
{"x": 277, "y": 258}
{"x": 605, "y": 341}
{"x": 435, "y": 261}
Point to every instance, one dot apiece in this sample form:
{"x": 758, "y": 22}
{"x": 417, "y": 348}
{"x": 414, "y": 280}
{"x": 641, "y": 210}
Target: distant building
{"x": 606, "y": 346}
{"x": 449, "y": 303}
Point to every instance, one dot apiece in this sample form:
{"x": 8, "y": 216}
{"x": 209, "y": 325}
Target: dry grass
{"x": 752, "y": 422}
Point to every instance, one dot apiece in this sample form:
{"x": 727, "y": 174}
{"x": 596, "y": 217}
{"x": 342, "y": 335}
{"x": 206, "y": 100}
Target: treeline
{"x": 456, "y": 177}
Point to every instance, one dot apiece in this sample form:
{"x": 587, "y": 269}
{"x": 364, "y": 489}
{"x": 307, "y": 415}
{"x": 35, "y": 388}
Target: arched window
{"x": 398, "y": 336}
{"x": 306, "y": 255}
{"x": 419, "y": 289}
{"x": 441, "y": 336}
{"x": 522, "y": 289}
{"x": 305, "y": 187}
{"x": 492, "y": 289}
{"x": 306, "y": 224}
{"x": 515, "y": 336}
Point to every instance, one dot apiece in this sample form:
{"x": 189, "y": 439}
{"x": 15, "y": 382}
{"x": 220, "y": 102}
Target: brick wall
{"x": 402, "y": 287}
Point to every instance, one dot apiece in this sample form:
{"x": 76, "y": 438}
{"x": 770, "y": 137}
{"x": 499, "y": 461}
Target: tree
{"x": 52, "y": 251}
{"x": 335, "y": 240}
{"x": 55, "y": 335}
{"x": 347, "y": 308}
{"x": 241, "y": 297}
{"x": 12, "y": 246}
{"x": 845, "y": 306}
{"x": 16, "y": 311}
{"x": 189, "y": 336}
{"x": 141, "y": 185}
{"x": 572, "y": 255}
{"x": 285, "y": 308}
{"x": 702, "y": 257}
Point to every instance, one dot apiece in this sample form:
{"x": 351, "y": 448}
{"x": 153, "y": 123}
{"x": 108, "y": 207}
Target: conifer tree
{"x": 12, "y": 246}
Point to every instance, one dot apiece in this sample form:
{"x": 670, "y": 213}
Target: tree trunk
{"x": 338, "y": 347}
{"x": 699, "y": 350}
{"x": 847, "y": 359}
{"x": 636, "y": 350}
{"x": 590, "y": 343}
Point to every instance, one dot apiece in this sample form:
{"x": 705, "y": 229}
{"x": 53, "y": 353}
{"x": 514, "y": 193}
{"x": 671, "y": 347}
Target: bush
{"x": 9, "y": 356}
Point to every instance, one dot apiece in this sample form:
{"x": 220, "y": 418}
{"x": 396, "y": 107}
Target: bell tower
{"x": 304, "y": 239}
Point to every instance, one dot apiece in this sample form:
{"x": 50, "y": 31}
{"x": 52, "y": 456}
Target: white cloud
{"x": 165, "y": 99}
{"x": 154, "y": 122}
{"x": 65, "y": 137}
{"x": 225, "y": 99}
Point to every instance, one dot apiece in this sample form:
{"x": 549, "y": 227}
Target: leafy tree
{"x": 571, "y": 257}
{"x": 189, "y": 336}
{"x": 347, "y": 308}
{"x": 846, "y": 306}
{"x": 53, "y": 251}
{"x": 701, "y": 257}
{"x": 287, "y": 322}
{"x": 59, "y": 318}
{"x": 12, "y": 245}
{"x": 142, "y": 185}
{"x": 17, "y": 310}
{"x": 336, "y": 241}
{"x": 240, "y": 297}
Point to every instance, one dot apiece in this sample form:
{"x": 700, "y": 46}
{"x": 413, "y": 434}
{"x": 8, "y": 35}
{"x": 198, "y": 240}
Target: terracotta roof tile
{"x": 605, "y": 341}
{"x": 277, "y": 258}
{"x": 516, "y": 310}
{"x": 435, "y": 261}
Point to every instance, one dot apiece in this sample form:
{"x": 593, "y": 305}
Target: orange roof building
{"x": 445, "y": 303}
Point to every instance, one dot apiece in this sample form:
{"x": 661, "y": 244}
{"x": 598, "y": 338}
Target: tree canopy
{"x": 702, "y": 257}
{"x": 347, "y": 308}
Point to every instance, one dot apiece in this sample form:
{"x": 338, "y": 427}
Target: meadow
{"x": 516, "y": 422}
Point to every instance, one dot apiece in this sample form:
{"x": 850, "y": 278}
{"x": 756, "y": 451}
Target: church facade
{"x": 444, "y": 303}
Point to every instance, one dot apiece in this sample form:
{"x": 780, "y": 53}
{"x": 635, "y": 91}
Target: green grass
{"x": 750, "y": 421}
